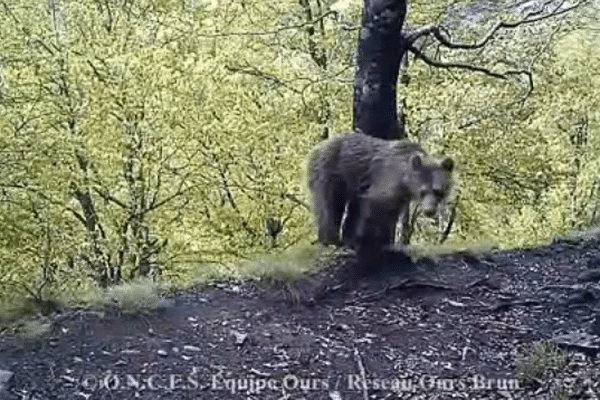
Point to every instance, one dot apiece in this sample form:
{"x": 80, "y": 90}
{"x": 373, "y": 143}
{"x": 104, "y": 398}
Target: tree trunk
{"x": 139, "y": 247}
{"x": 380, "y": 49}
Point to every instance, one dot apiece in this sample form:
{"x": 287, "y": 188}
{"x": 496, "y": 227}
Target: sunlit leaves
{"x": 523, "y": 179}
{"x": 228, "y": 97}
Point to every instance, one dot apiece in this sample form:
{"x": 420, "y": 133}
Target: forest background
{"x": 163, "y": 138}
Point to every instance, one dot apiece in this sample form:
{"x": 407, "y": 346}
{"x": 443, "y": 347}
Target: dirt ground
{"x": 450, "y": 328}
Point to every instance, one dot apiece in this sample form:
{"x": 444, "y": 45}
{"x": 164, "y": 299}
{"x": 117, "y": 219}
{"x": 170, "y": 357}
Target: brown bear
{"x": 376, "y": 180}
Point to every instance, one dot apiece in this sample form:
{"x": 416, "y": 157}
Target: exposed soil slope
{"x": 446, "y": 329}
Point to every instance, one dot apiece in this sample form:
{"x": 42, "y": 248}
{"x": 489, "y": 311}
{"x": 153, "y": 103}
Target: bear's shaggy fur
{"x": 376, "y": 180}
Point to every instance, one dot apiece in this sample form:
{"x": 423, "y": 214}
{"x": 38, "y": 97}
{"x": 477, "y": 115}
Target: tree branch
{"x": 439, "y": 64}
{"x": 438, "y": 33}
{"x": 271, "y": 32}
{"x": 108, "y": 197}
{"x": 411, "y": 36}
{"x": 10, "y": 13}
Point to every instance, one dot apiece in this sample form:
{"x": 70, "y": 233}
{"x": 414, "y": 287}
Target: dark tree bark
{"x": 381, "y": 47}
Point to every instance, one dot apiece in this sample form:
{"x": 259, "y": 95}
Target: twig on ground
{"x": 363, "y": 375}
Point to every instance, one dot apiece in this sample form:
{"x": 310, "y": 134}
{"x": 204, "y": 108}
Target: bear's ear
{"x": 448, "y": 164}
{"x": 416, "y": 161}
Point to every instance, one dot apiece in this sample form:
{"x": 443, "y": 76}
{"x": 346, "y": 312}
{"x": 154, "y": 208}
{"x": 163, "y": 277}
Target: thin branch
{"x": 476, "y": 68}
{"x": 233, "y": 204}
{"x": 251, "y": 70}
{"x": 523, "y": 72}
{"x": 442, "y": 35}
{"x": 296, "y": 200}
{"x": 440, "y": 64}
{"x": 289, "y": 196}
{"x": 448, "y": 229}
{"x": 109, "y": 23}
{"x": 32, "y": 190}
{"x": 96, "y": 72}
{"x": 437, "y": 31}
{"x": 110, "y": 198}
{"x": 180, "y": 192}
{"x": 317, "y": 54}
{"x": 9, "y": 12}
{"x": 363, "y": 375}
{"x": 271, "y": 32}
{"x": 411, "y": 36}
{"x": 78, "y": 216}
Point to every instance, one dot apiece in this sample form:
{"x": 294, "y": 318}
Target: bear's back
{"x": 363, "y": 158}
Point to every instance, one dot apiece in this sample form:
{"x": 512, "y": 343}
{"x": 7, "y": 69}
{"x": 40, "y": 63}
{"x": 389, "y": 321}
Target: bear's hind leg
{"x": 351, "y": 223}
{"x": 331, "y": 206}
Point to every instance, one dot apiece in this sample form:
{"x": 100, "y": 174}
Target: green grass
{"x": 138, "y": 296}
{"x": 290, "y": 265}
{"x": 589, "y": 233}
{"x": 540, "y": 361}
{"x": 33, "y": 328}
{"x": 26, "y": 328}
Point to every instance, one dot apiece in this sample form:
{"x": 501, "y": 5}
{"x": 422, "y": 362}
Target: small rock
{"x": 579, "y": 341}
{"x": 259, "y": 373}
{"x": 591, "y": 275}
{"x": 68, "y": 378}
{"x": 581, "y": 297}
{"x": 279, "y": 365}
{"x": 455, "y": 303}
{"x": 335, "y": 395}
{"x": 240, "y": 338}
{"x": 5, "y": 377}
{"x": 162, "y": 353}
{"x": 595, "y": 328}
{"x": 191, "y": 348}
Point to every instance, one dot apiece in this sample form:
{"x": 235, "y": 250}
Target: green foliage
{"x": 13, "y": 314}
{"x": 32, "y": 329}
{"x": 585, "y": 234}
{"x": 158, "y": 137}
{"x": 189, "y": 130}
{"x": 26, "y": 320}
{"x": 523, "y": 178}
{"x": 435, "y": 251}
{"x": 291, "y": 265}
{"x": 135, "y": 297}
{"x": 422, "y": 12}
{"x": 543, "y": 359}
{"x": 206, "y": 274}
